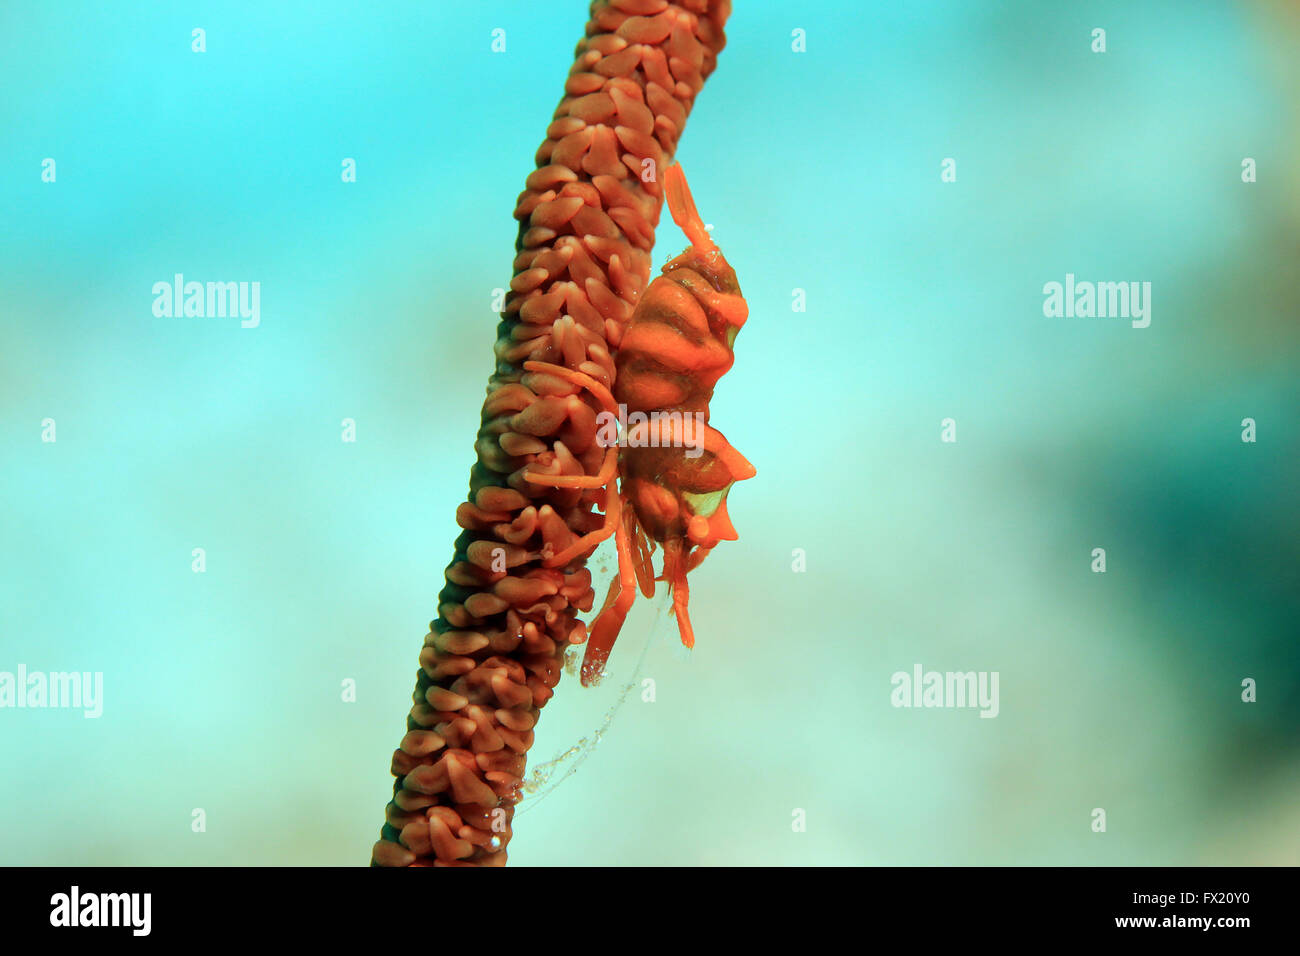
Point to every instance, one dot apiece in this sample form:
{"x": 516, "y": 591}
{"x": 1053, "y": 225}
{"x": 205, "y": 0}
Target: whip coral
{"x": 507, "y": 614}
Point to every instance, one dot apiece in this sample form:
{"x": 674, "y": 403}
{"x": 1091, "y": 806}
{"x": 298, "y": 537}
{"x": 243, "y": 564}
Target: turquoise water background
{"x": 819, "y": 171}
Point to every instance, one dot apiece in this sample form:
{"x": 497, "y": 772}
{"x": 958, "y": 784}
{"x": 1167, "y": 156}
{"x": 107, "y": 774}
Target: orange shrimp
{"x": 674, "y": 470}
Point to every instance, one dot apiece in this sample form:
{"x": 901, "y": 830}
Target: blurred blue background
{"x": 819, "y": 171}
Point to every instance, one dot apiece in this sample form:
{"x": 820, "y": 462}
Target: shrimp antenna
{"x": 683, "y": 210}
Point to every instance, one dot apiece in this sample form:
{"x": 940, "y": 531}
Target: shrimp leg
{"x": 604, "y": 630}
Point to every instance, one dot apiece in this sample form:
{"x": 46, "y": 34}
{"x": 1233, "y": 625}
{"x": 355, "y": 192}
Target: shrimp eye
{"x": 697, "y": 529}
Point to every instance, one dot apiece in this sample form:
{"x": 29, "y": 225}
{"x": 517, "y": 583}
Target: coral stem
{"x": 494, "y": 655}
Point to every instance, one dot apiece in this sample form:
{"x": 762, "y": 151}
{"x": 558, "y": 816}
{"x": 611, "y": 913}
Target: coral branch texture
{"x": 587, "y": 218}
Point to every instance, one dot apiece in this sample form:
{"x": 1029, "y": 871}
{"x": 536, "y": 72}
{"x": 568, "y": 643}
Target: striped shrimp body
{"x": 674, "y": 469}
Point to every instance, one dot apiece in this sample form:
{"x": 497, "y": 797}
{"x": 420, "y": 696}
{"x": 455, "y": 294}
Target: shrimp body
{"x": 674, "y": 469}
